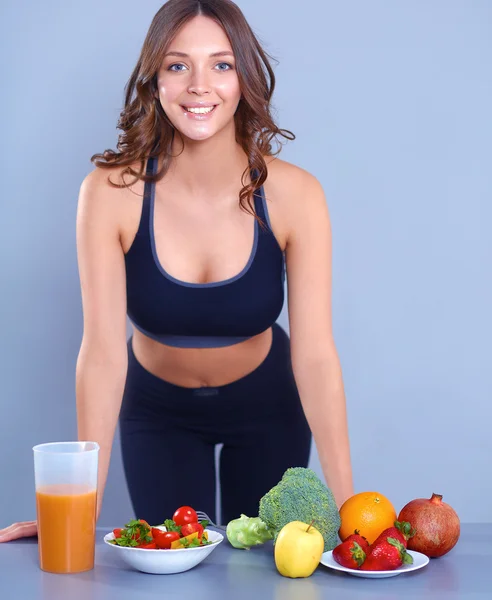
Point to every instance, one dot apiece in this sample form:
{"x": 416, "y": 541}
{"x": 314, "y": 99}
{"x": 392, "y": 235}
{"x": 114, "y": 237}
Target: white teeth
{"x": 201, "y": 111}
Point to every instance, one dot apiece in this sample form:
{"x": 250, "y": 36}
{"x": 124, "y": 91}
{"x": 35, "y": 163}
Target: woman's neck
{"x": 209, "y": 166}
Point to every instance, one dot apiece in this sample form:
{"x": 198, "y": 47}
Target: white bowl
{"x": 166, "y": 562}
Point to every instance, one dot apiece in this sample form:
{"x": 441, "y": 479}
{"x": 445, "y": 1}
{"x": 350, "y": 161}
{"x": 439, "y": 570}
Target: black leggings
{"x": 169, "y": 433}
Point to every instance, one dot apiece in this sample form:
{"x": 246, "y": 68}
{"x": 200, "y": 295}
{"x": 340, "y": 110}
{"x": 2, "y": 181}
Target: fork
{"x": 202, "y": 516}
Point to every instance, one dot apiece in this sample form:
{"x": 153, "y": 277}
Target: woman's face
{"x": 197, "y": 82}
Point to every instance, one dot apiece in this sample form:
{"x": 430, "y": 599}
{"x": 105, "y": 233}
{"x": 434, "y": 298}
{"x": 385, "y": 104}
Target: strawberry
{"x": 401, "y": 531}
{"x": 386, "y": 555}
{"x": 360, "y": 539}
{"x": 349, "y": 554}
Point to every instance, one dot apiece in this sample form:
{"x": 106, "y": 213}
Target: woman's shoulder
{"x": 99, "y": 181}
{"x": 116, "y": 207}
{"x": 290, "y": 185}
{"x": 288, "y": 180}
{"x": 292, "y": 194}
{"x": 96, "y": 189}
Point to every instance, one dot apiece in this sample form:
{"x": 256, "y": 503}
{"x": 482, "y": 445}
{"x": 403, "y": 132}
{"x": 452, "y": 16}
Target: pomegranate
{"x": 436, "y": 523}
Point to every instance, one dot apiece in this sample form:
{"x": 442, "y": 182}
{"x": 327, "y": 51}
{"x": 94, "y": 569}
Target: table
{"x": 463, "y": 574}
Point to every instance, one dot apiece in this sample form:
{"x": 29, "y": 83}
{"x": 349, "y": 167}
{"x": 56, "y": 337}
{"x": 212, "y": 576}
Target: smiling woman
{"x": 222, "y": 65}
{"x": 201, "y": 71}
{"x": 191, "y": 236}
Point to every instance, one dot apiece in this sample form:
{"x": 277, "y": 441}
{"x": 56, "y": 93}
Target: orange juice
{"x": 66, "y": 528}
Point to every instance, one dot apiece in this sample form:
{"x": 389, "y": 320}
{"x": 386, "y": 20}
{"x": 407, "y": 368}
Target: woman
{"x": 200, "y": 274}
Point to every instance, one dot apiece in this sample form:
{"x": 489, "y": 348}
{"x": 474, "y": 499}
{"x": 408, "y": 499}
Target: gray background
{"x": 390, "y": 102}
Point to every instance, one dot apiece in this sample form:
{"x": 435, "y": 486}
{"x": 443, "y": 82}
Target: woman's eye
{"x": 170, "y": 68}
{"x": 224, "y": 64}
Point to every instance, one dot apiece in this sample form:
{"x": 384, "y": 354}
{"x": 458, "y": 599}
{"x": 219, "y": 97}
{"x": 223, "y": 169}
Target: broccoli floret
{"x": 301, "y": 496}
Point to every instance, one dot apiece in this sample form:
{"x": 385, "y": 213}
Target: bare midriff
{"x": 201, "y": 367}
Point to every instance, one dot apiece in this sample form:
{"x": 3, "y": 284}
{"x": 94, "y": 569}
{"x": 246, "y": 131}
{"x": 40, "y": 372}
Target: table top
{"x": 465, "y": 573}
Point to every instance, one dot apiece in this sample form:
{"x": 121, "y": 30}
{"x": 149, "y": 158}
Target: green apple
{"x": 298, "y": 549}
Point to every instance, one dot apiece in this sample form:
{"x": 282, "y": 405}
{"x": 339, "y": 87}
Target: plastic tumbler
{"x": 65, "y": 476}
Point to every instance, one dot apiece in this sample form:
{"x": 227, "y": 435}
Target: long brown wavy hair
{"x": 146, "y": 129}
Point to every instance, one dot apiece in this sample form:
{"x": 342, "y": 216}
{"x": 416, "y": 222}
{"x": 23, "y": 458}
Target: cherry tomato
{"x": 185, "y": 514}
{"x": 166, "y": 538}
{"x": 147, "y": 546}
{"x": 156, "y": 532}
{"x": 190, "y": 528}
{"x": 117, "y": 532}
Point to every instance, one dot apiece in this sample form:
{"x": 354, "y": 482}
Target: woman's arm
{"x": 102, "y": 360}
{"x": 315, "y": 359}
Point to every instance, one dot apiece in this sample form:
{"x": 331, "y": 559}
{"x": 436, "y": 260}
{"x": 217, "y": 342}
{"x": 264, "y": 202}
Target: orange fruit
{"x": 369, "y": 512}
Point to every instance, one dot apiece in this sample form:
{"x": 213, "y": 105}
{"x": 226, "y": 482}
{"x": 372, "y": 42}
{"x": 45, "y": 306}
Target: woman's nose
{"x": 199, "y": 83}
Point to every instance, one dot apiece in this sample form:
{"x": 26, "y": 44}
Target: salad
{"x": 184, "y": 530}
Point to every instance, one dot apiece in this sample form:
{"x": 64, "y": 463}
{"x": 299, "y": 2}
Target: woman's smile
{"x": 199, "y": 111}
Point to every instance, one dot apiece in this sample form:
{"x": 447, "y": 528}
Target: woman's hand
{"x": 18, "y": 530}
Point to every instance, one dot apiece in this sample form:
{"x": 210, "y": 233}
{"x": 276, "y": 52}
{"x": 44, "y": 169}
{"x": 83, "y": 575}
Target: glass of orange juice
{"x": 65, "y": 476}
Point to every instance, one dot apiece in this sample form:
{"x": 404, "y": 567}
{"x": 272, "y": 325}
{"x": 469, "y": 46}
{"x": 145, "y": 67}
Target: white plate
{"x": 419, "y": 561}
{"x": 165, "y": 562}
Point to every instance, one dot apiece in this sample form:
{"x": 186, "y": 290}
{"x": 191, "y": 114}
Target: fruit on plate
{"x": 349, "y": 554}
{"x": 368, "y": 512}
{"x": 298, "y": 549}
{"x": 360, "y": 539}
{"x": 387, "y": 554}
{"x": 437, "y": 525}
{"x": 299, "y": 496}
{"x": 402, "y": 531}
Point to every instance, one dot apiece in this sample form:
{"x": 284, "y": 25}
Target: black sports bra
{"x": 203, "y": 315}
